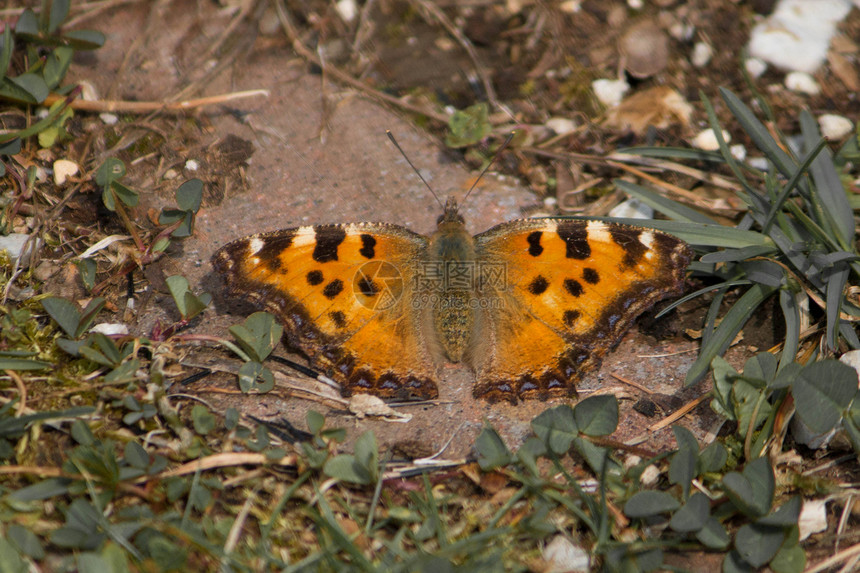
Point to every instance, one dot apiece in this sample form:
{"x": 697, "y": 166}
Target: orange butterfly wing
{"x": 343, "y": 294}
{"x": 572, "y": 288}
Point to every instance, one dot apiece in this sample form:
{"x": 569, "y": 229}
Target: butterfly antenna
{"x": 415, "y": 169}
{"x": 492, "y": 160}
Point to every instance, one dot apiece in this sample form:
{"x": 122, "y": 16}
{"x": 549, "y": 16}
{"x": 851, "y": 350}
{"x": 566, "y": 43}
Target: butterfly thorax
{"x": 451, "y": 259}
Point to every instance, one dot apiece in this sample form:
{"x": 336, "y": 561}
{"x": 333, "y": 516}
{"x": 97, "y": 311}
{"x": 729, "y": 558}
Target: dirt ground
{"x": 315, "y": 151}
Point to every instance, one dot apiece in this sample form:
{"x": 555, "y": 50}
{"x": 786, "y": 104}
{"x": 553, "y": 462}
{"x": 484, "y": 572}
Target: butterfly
{"x": 530, "y": 305}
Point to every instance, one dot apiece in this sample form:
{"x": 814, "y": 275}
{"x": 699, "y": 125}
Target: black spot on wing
{"x": 273, "y": 246}
{"x": 368, "y": 244}
{"x": 570, "y": 317}
{"x": 573, "y": 286}
{"x": 314, "y": 277}
{"x": 367, "y": 287}
{"x": 333, "y": 289}
{"x": 628, "y": 240}
{"x": 328, "y": 239}
{"x": 590, "y": 276}
{"x": 575, "y": 236}
{"x": 538, "y": 285}
{"x": 535, "y": 248}
{"x": 338, "y": 318}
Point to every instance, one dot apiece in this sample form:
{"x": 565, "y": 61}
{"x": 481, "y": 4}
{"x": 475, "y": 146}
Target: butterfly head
{"x": 450, "y": 214}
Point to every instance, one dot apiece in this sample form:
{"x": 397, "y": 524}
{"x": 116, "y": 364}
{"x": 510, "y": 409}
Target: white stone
{"x": 609, "y": 92}
{"x": 88, "y": 91}
{"x": 738, "y": 151}
{"x": 561, "y": 125}
{"x": 108, "y": 118}
{"x": 650, "y": 475}
{"x": 835, "y": 126}
{"x": 755, "y": 67}
{"x": 802, "y": 82}
{"x": 347, "y": 9}
{"x": 562, "y": 555}
{"x": 796, "y": 36}
{"x": 707, "y": 139}
{"x": 701, "y": 55}
{"x": 13, "y": 243}
{"x": 635, "y": 4}
{"x": 570, "y": 6}
{"x": 63, "y": 169}
{"x": 632, "y": 209}
{"x": 813, "y": 517}
{"x": 192, "y": 165}
{"x": 110, "y": 329}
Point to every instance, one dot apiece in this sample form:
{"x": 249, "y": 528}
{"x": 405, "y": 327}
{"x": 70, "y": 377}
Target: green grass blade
{"x": 672, "y": 209}
{"x": 830, "y": 193}
{"x": 791, "y": 314}
{"x": 725, "y": 332}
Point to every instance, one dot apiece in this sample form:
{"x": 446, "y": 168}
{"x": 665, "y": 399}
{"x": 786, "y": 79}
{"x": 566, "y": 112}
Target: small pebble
{"x": 192, "y": 165}
{"x": 108, "y": 118}
{"x": 609, "y": 92}
{"x": 738, "y": 151}
{"x": 347, "y": 9}
{"x": 561, "y": 125}
{"x": 835, "y": 126}
{"x": 702, "y": 54}
{"x": 803, "y": 83}
{"x": 13, "y": 243}
{"x": 63, "y": 169}
{"x": 813, "y": 517}
{"x": 570, "y": 6}
{"x": 755, "y": 67}
{"x": 110, "y": 329}
{"x": 561, "y": 554}
{"x": 707, "y": 140}
{"x": 632, "y": 209}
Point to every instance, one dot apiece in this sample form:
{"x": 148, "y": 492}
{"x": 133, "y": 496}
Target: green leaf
{"x": 713, "y": 535}
{"x": 27, "y": 23}
{"x": 84, "y": 39}
{"x": 109, "y": 171}
{"x": 597, "y": 415}
{"x": 786, "y": 515}
{"x": 367, "y": 454}
{"x": 125, "y": 372}
{"x": 345, "y": 468}
{"x": 88, "y": 315}
{"x": 56, "y": 66}
{"x": 195, "y": 304}
{"x": 9, "y": 559}
{"x": 556, "y": 428}
{"x": 757, "y": 544}
{"x": 789, "y": 559}
{"x": 734, "y": 563}
{"x": 127, "y": 195}
{"x": 58, "y": 13}
{"x": 25, "y": 541}
{"x": 136, "y": 456}
{"x": 6, "y": 50}
{"x": 693, "y": 515}
{"x": 649, "y": 503}
{"x": 65, "y": 313}
{"x": 822, "y": 390}
{"x": 178, "y": 287}
{"x": 87, "y": 269}
{"x": 33, "y": 85}
{"x": 203, "y": 420}
{"x": 189, "y": 196}
{"x": 254, "y": 376}
{"x": 682, "y": 468}
{"x": 752, "y": 491}
{"x": 82, "y": 434}
{"x": 258, "y": 335}
{"x": 491, "y": 449}
{"x": 45, "y": 489}
{"x": 316, "y": 421}
{"x": 22, "y": 364}
{"x": 747, "y": 400}
{"x": 712, "y": 458}
{"x": 672, "y": 209}
{"x": 469, "y": 126}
